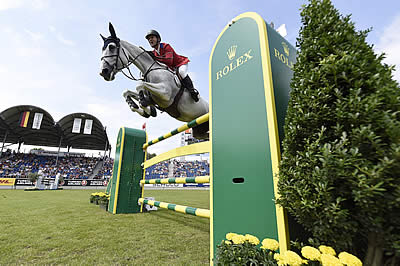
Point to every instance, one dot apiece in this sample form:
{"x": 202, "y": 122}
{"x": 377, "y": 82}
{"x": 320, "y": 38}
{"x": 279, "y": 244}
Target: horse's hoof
{"x": 131, "y": 103}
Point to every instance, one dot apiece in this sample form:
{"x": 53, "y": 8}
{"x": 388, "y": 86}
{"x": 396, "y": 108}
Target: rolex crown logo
{"x": 231, "y": 52}
{"x": 285, "y": 48}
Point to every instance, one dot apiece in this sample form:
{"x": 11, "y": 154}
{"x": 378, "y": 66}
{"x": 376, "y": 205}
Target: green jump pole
{"x": 179, "y": 180}
{"x": 178, "y": 208}
{"x": 200, "y": 120}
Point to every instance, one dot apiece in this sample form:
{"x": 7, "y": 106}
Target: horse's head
{"x": 111, "y": 59}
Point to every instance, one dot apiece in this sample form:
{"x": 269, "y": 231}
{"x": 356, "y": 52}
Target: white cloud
{"x": 35, "y": 4}
{"x": 60, "y": 37}
{"x": 21, "y": 44}
{"x": 9, "y": 4}
{"x": 39, "y": 4}
{"x": 65, "y": 41}
{"x": 389, "y": 43}
{"x": 34, "y": 35}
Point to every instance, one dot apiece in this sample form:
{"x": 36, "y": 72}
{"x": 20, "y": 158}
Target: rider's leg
{"x": 187, "y": 82}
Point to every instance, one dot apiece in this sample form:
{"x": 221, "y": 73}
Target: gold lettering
{"x": 239, "y": 61}
{"x": 247, "y": 55}
{"x": 232, "y": 68}
{"x": 276, "y": 53}
{"x": 227, "y": 70}
{"x": 219, "y": 74}
{"x": 282, "y": 58}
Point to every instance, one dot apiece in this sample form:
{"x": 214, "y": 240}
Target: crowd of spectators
{"x": 191, "y": 168}
{"x": 19, "y": 165}
{"x": 159, "y": 170}
{"x": 106, "y": 171}
{"x": 179, "y": 169}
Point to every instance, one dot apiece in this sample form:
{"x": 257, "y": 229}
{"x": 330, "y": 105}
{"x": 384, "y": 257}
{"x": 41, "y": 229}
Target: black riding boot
{"x": 188, "y": 84}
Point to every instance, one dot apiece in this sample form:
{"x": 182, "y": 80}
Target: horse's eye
{"x": 111, "y": 47}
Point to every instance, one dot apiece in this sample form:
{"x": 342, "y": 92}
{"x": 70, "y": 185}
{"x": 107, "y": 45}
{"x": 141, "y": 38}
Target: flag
{"x": 23, "y": 119}
{"x": 37, "y": 120}
{"x": 282, "y": 30}
{"x": 76, "y": 128}
{"x": 144, "y": 126}
{"x": 88, "y": 127}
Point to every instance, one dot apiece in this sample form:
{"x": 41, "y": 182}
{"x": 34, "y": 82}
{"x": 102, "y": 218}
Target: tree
{"x": 33, "y": 177}
{"x": 340, "y": 170}
{"x": 150, "y": 155}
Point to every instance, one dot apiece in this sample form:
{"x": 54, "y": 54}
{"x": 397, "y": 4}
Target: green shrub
{"x": 340, "y": 168}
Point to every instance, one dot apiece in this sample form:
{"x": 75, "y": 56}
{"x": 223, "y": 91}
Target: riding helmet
{"x": 155, "y": 33}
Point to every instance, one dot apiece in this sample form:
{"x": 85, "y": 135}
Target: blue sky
{"x": 50, "y": 50}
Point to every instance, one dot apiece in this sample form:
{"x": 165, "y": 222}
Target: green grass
{"x": 62, "y": 227}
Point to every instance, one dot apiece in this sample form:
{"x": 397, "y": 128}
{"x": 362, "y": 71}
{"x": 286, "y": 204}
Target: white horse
{"x": 159, "y": 86}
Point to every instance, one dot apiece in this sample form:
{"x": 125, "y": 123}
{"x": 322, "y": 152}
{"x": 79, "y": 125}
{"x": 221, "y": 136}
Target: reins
{"x": 131, "y": 76}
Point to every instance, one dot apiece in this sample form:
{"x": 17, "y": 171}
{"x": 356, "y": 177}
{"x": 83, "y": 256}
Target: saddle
{"x": 172, "y": 110}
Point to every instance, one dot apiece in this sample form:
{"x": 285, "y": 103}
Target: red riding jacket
{"x": 168, "y": 56}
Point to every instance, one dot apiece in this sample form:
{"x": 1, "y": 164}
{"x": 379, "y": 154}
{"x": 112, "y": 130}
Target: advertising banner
{"x": 67, "y": 182}
{"x": 37, "y": 120}
{"x": 196, "y": 185}
{"x": 7, "y": 181}
{"x": 76, "y": 128}
{"x": 88, "y": 127}
{"x": 164, "y": 185}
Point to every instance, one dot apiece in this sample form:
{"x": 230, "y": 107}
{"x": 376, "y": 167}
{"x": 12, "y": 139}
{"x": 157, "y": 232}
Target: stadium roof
{"x": 33, "y": 125}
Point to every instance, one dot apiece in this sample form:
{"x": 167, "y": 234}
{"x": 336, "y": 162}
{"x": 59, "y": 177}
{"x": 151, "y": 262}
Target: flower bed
{"x": 243, "y": 250}
{"x": 99, "y": 198}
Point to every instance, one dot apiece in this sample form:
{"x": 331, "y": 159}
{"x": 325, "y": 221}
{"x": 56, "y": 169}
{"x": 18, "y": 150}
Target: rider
{"x": 164, "y": 53}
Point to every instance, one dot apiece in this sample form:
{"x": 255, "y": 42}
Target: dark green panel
{"x": 283, "y": 57}
{"x": 240, "y": 139}
{"x": 131, "y": 171}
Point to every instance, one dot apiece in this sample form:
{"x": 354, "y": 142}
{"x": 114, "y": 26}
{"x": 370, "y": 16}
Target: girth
{"x": 172, "y": 110}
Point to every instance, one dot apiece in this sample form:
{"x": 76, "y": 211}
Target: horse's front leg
{"x": 130, "y": 98}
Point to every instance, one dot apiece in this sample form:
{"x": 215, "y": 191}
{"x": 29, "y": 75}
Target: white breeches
{"x": 183, "y": 70}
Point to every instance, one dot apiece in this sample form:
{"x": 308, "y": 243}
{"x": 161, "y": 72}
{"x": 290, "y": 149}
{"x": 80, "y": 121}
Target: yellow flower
{"x": 289, "y": 258}
{"x": 349, "y": 259}
{"x": 238, "y": 239}
{"x": 279, "y": 259}
{"x": 310, "y": 253}
{"x": 270, "y": 244}
{"x": 229, "y": 236}
{"x": 252, "y": 239}
{"x": 330, "y": 260}
{"x": 327, "y": 250}
{"x": 228, "y": 242}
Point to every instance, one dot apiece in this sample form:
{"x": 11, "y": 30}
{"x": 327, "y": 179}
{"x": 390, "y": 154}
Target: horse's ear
{"x": 104, "y": 38}
{"x": 112, "y": 31}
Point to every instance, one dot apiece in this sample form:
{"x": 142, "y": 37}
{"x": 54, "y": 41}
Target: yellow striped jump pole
{"x": 200, "y": 120}
{"x": 178, "y": 180}
{"x": 178, "y": 208}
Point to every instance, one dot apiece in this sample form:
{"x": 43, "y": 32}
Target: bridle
{"x": 115, "y": 66}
